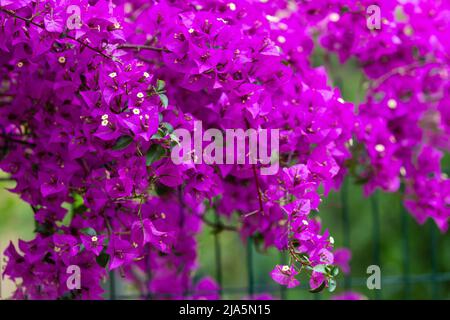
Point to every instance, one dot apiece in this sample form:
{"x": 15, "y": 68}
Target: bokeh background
{"x": 414, "y": 260}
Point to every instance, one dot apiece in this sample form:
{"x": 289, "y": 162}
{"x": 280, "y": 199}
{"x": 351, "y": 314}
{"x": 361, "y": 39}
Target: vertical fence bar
{"x": 148, "y": 271}
{"x": 434, "y": 263}
{"x": 406, "y": 254}
{"x": 112, "y": 285}
{"x": 346, "y": 227}
{"x": 186, "y": 289}
{"x": 283, "y": 288}
{"x": 218, "y": 256}
{"x": 376, "y": 235}
{"x": 251, "y": 281}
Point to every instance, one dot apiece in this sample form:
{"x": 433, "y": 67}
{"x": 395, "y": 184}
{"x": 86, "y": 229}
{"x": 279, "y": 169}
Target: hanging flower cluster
{"x": 403, "y": 125}
{"x": 91, "y": 93}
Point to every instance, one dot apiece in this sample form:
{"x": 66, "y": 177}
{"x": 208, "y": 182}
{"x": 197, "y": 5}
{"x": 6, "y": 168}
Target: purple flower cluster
{"x": 89, "y": 101}
{"x": 403, "y": 124}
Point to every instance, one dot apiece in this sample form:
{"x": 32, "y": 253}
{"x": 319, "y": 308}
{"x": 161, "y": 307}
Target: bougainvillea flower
{"x": 93, "y": 243}
{"x": 285, "y": 275}
{"x": 143, "y": 232}
{"x": 342, "y": 257}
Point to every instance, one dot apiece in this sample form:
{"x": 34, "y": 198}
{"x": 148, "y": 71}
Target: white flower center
{"x": 281, "y": 39}
{"x": 334, "y": 17}
{"x": 392, "y": 104}
{"x": 380, "y": 148}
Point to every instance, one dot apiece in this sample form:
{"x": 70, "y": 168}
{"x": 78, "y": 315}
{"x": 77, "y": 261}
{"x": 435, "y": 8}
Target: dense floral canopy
{"x": 91, "y": 91}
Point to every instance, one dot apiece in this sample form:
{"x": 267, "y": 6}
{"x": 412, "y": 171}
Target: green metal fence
{"x": 424, "y": 244}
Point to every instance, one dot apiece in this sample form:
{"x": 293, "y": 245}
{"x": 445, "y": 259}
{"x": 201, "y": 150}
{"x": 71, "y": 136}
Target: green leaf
{"x": 331, "y": 285}
{"x": 164, "y": 129}
{"x": 320, "y": 268}
{"x": 155, "y": 153}
{"x": 89, "y": 231}
{"x": 164, "y": 100}
{"x": 160, "y": 85}
{"x": 45, "y": 228}
{"x": 78, "y": 200}
{"x": 103, "y": 259}
{"x": 334, "y": 271}
{"x": 159, "y": 134}
{"x": 78, "y": 206}
{"x": 174, "y": 138}
{"x": 319, "y": 288}
{"x": 168, "y": 127}
{"x": 162, "y": 190}
{"x": 122, "y": 142}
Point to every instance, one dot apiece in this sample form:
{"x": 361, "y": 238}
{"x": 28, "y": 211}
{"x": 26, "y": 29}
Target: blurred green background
{"x": 414, "y": 260}
{"x": 16, "y": 221}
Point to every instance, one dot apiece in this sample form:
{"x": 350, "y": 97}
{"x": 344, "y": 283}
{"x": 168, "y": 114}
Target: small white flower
{"x": 350, "y": 142}
{"x": 402, "y": 171}
{"x": 282, "y": 26}
{"x": 380, "y": 148}
{"x": 331, "y": 240}
{"x": 112, "y": 75}
{"x": 408, "y": 30}
{"x": 146, "y": 74}
{"x": 281, "y": 39}
{"x": 140, "y": 95}
{"x": 285, "y": 268}
{"x": 392, "y": 104}
{"x": 232, "y": 6}
{"x": 105, "y": 123}
{"x": 136, "y": 111}
{"x": 62, "y": 60}
{"x": 104, "y": 117}
{"x": 334, "y": 17}
{"x": 191, "y": 30}
{"x": 272, "y": 18}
